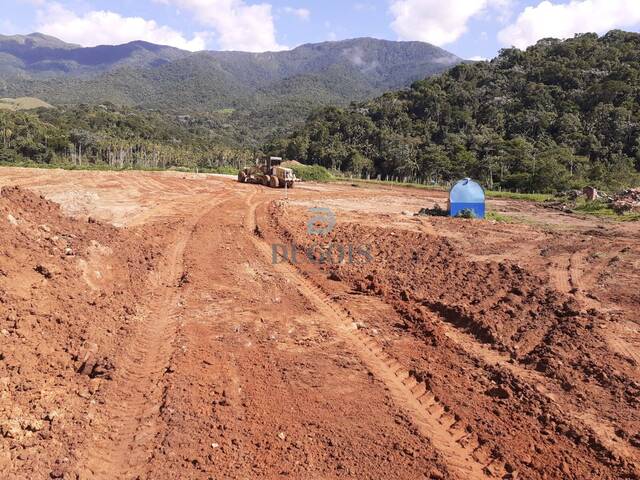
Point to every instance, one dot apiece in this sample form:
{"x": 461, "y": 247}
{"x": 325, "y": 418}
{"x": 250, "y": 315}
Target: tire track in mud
{"x": 127, "y": 421}
{"x": 576, "y": 269}
{"x": 561, "y": 275}
{"x": 568, "y": 278}
{"x": 603, "y": 431}
{"x": 623, "y": 337}
{"x": 461, "y": 450}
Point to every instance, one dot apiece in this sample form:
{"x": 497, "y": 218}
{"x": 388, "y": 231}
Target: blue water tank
{"x": 466, "y": 194}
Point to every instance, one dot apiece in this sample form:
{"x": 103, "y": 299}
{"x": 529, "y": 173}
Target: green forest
{"x": 115, "y": 137}
{"x": 559, "y": 115}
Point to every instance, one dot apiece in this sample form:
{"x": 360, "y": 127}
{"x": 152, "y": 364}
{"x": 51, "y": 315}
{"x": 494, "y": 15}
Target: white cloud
{"x": 238, "y": 25}
{"x": 102, "y": 27}
{"x": 301, "y": 13}
{"x": 436, "y": 21}
{"x": 549, "y": 19}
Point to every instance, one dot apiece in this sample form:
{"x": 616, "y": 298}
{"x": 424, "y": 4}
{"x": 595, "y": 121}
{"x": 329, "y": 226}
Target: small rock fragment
{"x": 499, "y": 392}
{"x": 88, "y": 358}
{"x": 335, "y": 276}
{"x": 435, "y": 474}
{"x": 44, "y": 271}
{"x": 51, "y": 415}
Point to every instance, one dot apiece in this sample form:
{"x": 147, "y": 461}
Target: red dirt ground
{"x": 147, "y": 333}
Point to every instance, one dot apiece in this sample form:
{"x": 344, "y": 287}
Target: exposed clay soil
{"x": 146, "y": 332}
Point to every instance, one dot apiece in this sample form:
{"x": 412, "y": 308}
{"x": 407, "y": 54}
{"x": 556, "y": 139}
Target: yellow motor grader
{"x": 268, "y": 172}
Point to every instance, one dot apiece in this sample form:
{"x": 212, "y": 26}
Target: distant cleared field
{"x": 22, "y": 103}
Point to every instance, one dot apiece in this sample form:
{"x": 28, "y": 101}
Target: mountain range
{"x": 160, "y": 77}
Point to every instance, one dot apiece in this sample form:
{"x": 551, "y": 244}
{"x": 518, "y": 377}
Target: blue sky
{"x": 468, "y": 28}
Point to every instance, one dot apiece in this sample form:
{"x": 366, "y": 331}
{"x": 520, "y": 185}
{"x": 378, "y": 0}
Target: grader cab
{"x": 268, "y": 172}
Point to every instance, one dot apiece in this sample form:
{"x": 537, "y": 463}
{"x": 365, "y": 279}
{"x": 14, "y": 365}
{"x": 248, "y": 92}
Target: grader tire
{"x": 242, "y": 177}
{"x": 274, "y": 182}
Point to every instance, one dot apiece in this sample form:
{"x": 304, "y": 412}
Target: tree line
{"x": 114, "y": 136}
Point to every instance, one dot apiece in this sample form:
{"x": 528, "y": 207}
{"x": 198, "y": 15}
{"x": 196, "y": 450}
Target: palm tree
{"x": 6, "y": 136}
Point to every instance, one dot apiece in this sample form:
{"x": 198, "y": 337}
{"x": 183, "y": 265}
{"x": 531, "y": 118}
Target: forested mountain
{"x": 257, "y": 90}
{"x": 560, "y": 114}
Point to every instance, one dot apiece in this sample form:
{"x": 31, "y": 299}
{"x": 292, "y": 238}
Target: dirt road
{"x": 148, "y": 331}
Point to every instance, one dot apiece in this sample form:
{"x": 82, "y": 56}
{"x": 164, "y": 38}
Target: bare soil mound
{"x": 67, "y": 288}
{"x": 540, "y": 349}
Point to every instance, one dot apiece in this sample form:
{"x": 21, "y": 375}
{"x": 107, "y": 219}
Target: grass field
{"x": 532, "y": 197}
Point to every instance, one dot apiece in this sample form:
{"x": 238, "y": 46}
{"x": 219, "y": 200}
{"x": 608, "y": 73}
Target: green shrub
{"x": 312, "y": 173}
{"x": 499, "y": 217}
{"x": 601, "y": 208}
{"x": 466, "y": 213}
{"x": 226, "y": 170}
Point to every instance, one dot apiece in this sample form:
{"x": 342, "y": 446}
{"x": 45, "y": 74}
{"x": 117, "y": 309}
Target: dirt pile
{"x": 626, "y": 201}
{"x": 500, "y": 303}
{"x": 545, "y": 334}
{"x": 67, "y": 288}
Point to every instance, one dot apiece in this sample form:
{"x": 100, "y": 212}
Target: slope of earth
{"x": 68, "y": 290}
{"x": 463, "y": 349}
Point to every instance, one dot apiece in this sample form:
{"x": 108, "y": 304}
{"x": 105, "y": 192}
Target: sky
{"x": 472, "y": 29}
